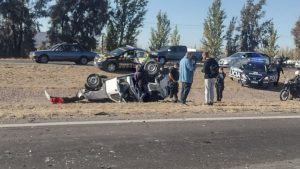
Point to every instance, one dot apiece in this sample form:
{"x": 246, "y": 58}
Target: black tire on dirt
{"x": 43, "y": 59}
{"x": 152, "y": 68}
{"x": 94, "y": 82}
{"x": 284, "y": 94}
{"x": 83, "y": 61}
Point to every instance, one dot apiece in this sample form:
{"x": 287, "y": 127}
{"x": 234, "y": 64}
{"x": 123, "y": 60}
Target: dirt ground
{"x": 22, "y": 97}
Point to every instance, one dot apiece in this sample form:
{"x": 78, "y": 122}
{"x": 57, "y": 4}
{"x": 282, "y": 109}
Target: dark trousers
{"x": 142, "y": 92}
{"x": 185, "y": 90}
{"x": 219, "y": 89}
{"x": 276, "y": 83}
{"x": 173, "y": 89}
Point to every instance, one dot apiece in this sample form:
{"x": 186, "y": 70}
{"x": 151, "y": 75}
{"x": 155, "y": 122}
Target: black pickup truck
{"x": 174, "y": 54}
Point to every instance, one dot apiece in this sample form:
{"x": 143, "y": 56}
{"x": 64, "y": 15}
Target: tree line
{"x": 114, "y": 23}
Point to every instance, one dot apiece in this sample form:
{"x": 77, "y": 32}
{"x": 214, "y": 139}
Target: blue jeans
{"x": 185, "y": 90}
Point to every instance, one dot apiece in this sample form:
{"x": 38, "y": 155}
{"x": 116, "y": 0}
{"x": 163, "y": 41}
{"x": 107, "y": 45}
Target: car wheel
{"x": 284, "y": 95}
{"x": 83, "y": 60}
{"x": 94, "y": 82}
{"x": 111, "y": 67}
{"x": 152, "y": 68}
{"x": 43, "y": 59}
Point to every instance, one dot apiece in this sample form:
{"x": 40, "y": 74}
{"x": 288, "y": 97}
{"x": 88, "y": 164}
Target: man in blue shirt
{"x": 186, "y": 74}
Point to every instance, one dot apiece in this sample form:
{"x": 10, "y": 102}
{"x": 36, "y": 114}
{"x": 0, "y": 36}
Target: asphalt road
{"x": 230, "y": 144}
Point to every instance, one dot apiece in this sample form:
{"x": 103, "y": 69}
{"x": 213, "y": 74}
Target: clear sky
{"x": 189, "y": 16}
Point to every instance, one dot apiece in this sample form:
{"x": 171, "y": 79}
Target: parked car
{"x": 253, "y": 73}
{"x": 63, "y": 52}
{"x": 171, "y": 54}
{"x": 126, "y": 57}
{"x": 248, "y": 56}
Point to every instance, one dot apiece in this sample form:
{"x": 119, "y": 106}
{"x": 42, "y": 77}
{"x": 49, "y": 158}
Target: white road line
{"x": 145, "y": 121}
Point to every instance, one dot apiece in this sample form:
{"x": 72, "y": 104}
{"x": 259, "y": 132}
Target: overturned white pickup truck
{"x": 118, "y": 89}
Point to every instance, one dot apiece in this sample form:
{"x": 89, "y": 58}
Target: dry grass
{"x": 22, "y": 97}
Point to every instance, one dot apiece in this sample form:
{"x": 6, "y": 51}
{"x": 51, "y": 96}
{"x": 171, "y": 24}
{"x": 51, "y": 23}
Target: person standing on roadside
{"x": 186, "y": 74}
{"x": 279, "y": 69}
{"x": 211, "y": 71}
{"x": 173, "y": 82}
{"x": 141, "y": 82}
{"x": 220, "y": 84}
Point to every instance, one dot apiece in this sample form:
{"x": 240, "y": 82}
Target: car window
{"x": 74, "y": 48}
{"x": 182, "y": 49}
{"x": 236, "y": 55}
{"x": 60, "y": 48}
{"x": 116, "y": 52}
{"x": 129, "y": 54}
{"x": 54, "y": 47}
{"x": 173, "y": 49}
{"x": 164, "y": 48}
{"x": 139, "y": 53}
{"x": 67, "y": 48}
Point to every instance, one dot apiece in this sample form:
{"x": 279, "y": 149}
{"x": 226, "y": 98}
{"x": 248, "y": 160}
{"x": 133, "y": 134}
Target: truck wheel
{"x": 284, "y": 95}
{"x": 94, "y": 82}
{"x": 152, "y": 68}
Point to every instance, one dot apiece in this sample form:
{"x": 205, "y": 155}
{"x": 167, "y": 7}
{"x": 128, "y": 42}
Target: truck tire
{"x": 94, "y": 82}
{"x": 152, "y": 68}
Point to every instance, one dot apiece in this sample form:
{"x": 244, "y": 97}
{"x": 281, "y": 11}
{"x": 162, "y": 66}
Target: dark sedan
{"x": 254, "y": 74}
{"x": 63, "y": 52}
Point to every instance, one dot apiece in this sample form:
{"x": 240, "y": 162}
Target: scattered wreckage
{"x": 254, "y": 73}
{"x": 118, "y": 89}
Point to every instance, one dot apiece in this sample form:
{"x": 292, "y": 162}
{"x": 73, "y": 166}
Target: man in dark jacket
{"x": 279, "y": 69}
{"x": 141, "y": 82}
{"x": 173, "y": 82}
{"x": 211, "y": 71}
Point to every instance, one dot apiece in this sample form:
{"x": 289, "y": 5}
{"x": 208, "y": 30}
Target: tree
{"x": 269, "y": 40}
{"x": 160, "y": 36}
{"x": 175, "y": 37}
{"x": 296, "y": 34}
{"x": 77, "y": 21}
{"x": 213, "y": 27}
{"x": 231, "y": 38}
{"x": 18, "y": 26}
{"x": 111, "y": 37}
{"x": 251, "y": 30}
{"x": 127, "y": 17}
